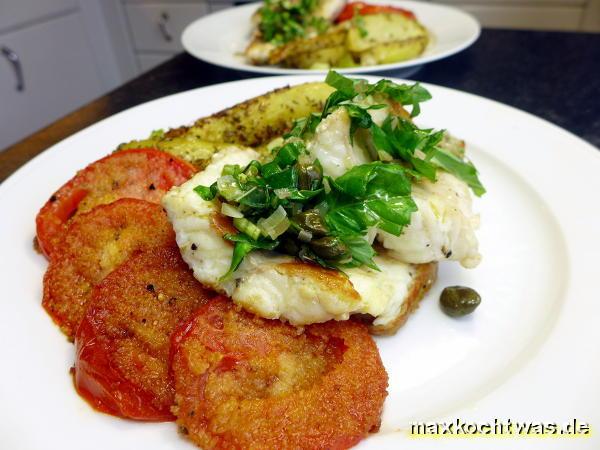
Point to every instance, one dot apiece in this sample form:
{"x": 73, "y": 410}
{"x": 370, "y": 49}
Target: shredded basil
{"x": 284, "y": 20}
{"x": 372, "y": 195}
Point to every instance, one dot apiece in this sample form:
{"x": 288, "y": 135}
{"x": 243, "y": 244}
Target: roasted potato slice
{"x": 379, "y": 29}
{"x": 329, "y": 57}
{"x": 393, "y": 51}
{"x": 180, "y": 143}
{"x": 253, "y": 123}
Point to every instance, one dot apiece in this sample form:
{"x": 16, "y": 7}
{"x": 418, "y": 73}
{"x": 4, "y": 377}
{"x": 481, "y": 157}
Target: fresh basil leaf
{"x": 304, "y": 195}
{"x": 359, "y": 117}
{"x": 269, "y": 169}
{"x": 304, "y": 126}
{"x": 332, "y": 102}
{"x": 460, "y": 169}
{"x": 380, "y": 139}
{"x": 240, "y": 250}
{"x": 205, "y": 192}
{"x": 404, "y": 94}
{"x": 341, "y": 83}
{"x": 244, "y": 245}
{"x": 262, "y": 244}
{"x": 374, "y": 178}
{"x": 389, "y": 180}
{"x": 424, "y": 168}
{"x": 362, "y": 252}
{"x": 286, "y": 179}
{"x": 231, "y": 169}
{"x": 288, "y": 153}
{"x": 394, "y": 213}
{"x": 255, "y": 197}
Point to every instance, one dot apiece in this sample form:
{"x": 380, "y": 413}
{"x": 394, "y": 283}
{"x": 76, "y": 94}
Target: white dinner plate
{"x": 530, "y": 352}
{"x": 221, "y": 38}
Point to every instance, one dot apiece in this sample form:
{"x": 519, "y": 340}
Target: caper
{"x": 311, "y": 221}
{"x": 458, "y": 301}
{"x": 329, "y": 247}
{"x": 309, "y": 175}
{"x": 288, "y": 246}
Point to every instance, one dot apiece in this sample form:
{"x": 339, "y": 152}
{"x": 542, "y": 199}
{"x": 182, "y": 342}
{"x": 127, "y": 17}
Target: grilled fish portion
{"x": 277, "y": 286}
{"x": 443, "y": 227}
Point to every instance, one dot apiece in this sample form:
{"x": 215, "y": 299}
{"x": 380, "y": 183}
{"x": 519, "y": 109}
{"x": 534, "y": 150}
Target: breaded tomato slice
{"x": 252, "y": 383}
{"x": 145, "y": 174}
{"x": 122, "y": 357}
{"x": 95, "y": 244}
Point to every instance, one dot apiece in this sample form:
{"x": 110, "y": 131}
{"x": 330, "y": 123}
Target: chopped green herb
{"x": 282, "y": 20}
{"x": 287, "y": 204}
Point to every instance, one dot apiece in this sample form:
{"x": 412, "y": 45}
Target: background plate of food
{"x": 148, "y": 336}
{"x": 311, "y": 36}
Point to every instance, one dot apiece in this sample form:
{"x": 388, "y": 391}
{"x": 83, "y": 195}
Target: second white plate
{"x": 221, "y": 38}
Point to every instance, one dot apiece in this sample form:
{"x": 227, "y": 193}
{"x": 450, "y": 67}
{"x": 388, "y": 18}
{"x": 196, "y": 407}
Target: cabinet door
{"x": 59, "y": 71}
{"x": 158, "y": 27}
{"x": 18, "y": 12}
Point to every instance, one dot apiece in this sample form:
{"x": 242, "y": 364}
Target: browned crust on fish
{"x": 334, "y": 280}
{"x": 423, "y": 279}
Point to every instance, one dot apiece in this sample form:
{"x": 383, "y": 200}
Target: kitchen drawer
{"x": 158, "y": 27}
{"x": 59, "y": 71}
{"x": 148, "y": 61}
{"x": 526, "y": 17}
{"x": 17, "y": 12}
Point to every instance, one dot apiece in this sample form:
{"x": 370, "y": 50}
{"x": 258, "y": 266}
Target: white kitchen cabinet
{"x": 18, "y": 12}
{"x": 59, "y": 75}
{"x": 158, "y": 27}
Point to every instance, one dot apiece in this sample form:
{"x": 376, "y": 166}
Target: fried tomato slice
{"x": 96, "y": 243}
{"x": 123, "y": 342}
{"x": 140, "y": 173}
{"x": 246, "y": 382}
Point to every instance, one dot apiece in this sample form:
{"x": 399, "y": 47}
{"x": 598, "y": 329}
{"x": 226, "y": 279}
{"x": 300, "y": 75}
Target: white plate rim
{"x": 235, "y": 64}
{"x": 586, "y": 154}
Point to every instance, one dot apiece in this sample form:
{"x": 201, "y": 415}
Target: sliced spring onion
{"x": 229, "y": 187}
{"x": 231, "y": 211}
{"x": 276, "y": 224}
{"x": 245, "y": 226}
{"x": 384, "y": 156}
{"x": 275, "y": 144}
{"x": 283, "y": 193}
{"x": 230, "y": 169}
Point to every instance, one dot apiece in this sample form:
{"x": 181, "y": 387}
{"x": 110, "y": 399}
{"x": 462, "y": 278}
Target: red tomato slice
{"x": 123, "y": 342}
{"x": 246, "y": 382}
{"x": 364, "y": 9}
{"x": 144, "y": 174}
{"x": 94, "y": 244}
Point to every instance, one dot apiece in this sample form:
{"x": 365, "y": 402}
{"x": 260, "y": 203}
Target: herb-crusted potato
{"x": 383, "y": 29}
{"x": 327, "y": 57}
{"x": 252, "y": 123}
{"x": 392, "y": 52}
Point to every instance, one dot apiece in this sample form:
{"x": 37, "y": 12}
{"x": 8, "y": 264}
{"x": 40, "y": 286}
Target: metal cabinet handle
{"x": 15, "y": 62}
{"x": 162, "y": 26}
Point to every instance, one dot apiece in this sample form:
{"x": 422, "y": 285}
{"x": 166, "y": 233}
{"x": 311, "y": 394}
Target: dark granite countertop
{"x": 550, "y": 74}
